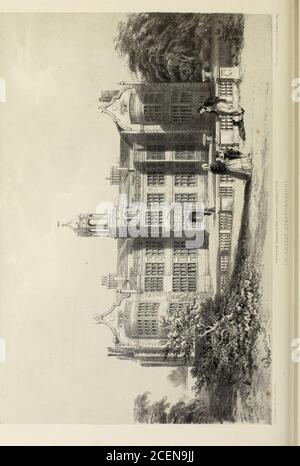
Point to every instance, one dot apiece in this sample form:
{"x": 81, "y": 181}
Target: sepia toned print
{"x": 186, "y": 137}
{"x": 151, "y": 152}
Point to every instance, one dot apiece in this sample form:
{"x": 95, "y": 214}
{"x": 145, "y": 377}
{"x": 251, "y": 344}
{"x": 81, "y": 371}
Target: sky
{"x": 55, "y": 152}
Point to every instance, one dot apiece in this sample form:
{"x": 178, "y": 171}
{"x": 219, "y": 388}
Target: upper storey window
{"x": 152, "y": 108}
{"x": 147, "y": 111}
{"x": 152, "y": 114}
{"x": 185, "y": 152}
{"x": 152, "y": 99}
{"x": 155, "y": 178}
{"x": 155, "y": 152}
{"x": 185, "y": 179}
{"x": 182, "y": 107}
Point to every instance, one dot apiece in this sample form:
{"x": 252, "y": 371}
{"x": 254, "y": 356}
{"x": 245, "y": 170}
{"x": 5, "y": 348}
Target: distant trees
{"x": 165, "y": 46}
{"x": 146, "y": 411}
{"x": 178, "y": 376}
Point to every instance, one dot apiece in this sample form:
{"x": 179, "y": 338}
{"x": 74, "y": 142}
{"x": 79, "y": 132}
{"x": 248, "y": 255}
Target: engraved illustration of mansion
{"x": 163, "y": 143}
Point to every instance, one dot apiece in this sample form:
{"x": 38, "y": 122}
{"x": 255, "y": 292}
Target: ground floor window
{"x": 186, "y": 198}
{"x": 185, "y": 179}
{"x": 155, "y": 202}
{"x": 155, "y": 178}
{"x": 182, "y": 252}
{"x": 154, "y": 276}
{"x": 154, "y": 249}
{"x": 178, "y": 307}
{"x": 147, "y": 320}
{"x": 185, "y": 277}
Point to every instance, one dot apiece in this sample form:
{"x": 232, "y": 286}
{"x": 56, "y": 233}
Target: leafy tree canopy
{"x": 165, "y": 46}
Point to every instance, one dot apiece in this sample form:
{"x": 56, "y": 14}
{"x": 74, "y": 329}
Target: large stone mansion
{"x": 163, "y": 143}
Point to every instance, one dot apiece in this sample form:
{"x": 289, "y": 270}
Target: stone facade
{"x": 163, "y": 143}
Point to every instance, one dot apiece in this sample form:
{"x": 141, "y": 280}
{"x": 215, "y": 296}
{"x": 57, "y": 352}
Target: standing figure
{"x": 220, "y": 106}
{"x": 240, "y": 168}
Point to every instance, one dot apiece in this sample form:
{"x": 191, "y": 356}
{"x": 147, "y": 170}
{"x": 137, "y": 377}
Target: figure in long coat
{"x": 240, "y": 168}
{"x": 220, "y": 106}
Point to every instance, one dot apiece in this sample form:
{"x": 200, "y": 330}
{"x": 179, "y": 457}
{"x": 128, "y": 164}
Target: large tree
{"x": 218, "y": 335}
{"x": 165, "y": 46}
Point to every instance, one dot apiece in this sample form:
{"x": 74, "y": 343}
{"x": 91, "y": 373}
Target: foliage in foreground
{"x": 226, "y": 351}
{"x": 162, "y": 412}
{"x": 224, "y": 330}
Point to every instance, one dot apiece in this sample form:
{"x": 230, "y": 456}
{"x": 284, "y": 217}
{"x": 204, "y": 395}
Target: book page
{"x": 147, "y": 212}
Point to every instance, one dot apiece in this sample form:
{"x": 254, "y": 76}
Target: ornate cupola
{"x": 90, "y": 225}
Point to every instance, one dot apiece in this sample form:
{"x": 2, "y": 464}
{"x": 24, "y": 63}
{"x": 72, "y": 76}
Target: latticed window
{"x": 152, "y": 114}
{"x": 178, "y": 307}
{"x": 155, "y": 198}
{"x": 153, "y": 108}
{"x": 137, "y": 186}
{"x": 154, "y": 249}
{"x": 181, "y": 251}
{"x": 154, "y": 284}
{"x": 148, "y": 309}
{"x": 182, "y": 107}
{"x": 188, "y": 201}
{"x": 154, "y": 279}
{"x": 181, "y": 114}
{"x": 226, "y": 123}
{"x": 225, "y": 221}
{"x": 182, "y": 98}
{"x": 186, "y": 197}
{"x": 184, "y": 152}
{"x": 226, "y": 179}
{"x": 155, "y": 178}
{"x": 225, "y": 241}
{"x": 155, "y": 218}
{"x": 147, "y": 320}
{"x": 155, "y": 202}
{"x": 153, "y": 98}
{"x": 185, "y": 179}
{"x": 185, "y": 277}
{"x": 225, "y": 87}
{"x": 155, "y": 152}
{"x": 223, "y": 281}
{"x": 224, "y": 261}
{"x": 155, "y": 269}
{"x": 226, "y": 191}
